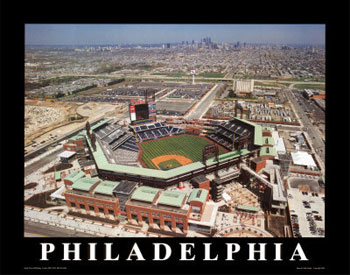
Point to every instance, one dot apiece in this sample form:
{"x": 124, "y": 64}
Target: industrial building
{"x": 243, "y": 87}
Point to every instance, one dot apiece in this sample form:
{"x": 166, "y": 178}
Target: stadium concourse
{"x": 144, "y": 194}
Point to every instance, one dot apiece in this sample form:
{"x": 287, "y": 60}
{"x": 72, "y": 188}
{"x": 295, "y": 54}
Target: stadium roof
{"x": 106, "y": 187}
{"x": 85, "y": 184}
{"x": 58, "y": 175}
{"x": 268, "y": 140}
{"x": 247, "y": 208}
{"x": 145, "y": 193}
{"x": 125, "y": 187}
{"x": 100, "y": 123}
{"x": 78, "y": 136}
{"x": 74, "y": 176}
{"x": 172, "y": 198}
{"x": 265, "y": 128}
{"x": 198, "y": 194}
{"x": 303, "y": 158}
{"x": 267, "y": 151}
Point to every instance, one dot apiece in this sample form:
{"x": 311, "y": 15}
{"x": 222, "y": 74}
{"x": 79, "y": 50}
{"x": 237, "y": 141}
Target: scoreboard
{"x": 138, "y": 112}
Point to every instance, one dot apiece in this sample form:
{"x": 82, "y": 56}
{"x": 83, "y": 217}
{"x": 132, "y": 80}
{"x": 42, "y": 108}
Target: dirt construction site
{"x": 48, "y": 121}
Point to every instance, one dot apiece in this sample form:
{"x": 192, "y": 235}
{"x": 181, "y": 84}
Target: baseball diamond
{"x": 185, "y": 149}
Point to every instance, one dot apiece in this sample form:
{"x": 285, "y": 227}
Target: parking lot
{"x": 174, "y": 107}
{"x": 306, "y": 206}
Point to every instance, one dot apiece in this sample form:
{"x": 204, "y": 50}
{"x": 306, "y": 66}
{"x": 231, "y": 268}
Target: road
{"x": 203, "y": 105}
{"x": 43, "y": 148}
{"x": 40, "y": 163}
{"x": 311, "y": 130}
{"x": 162, "y": 77}
{"x": 33, "y": 229}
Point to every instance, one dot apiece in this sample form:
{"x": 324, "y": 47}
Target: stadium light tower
{"x": 193, "y": 72}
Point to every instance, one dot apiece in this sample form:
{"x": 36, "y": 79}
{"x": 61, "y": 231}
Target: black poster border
{"x": 327, "y": 255}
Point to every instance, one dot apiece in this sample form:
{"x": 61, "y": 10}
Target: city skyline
{"x": 100, "y": 34}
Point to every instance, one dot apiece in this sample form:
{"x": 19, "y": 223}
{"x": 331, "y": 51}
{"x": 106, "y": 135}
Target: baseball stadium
{"x": 143, "y": 161}
{"x": 160, "y": 154}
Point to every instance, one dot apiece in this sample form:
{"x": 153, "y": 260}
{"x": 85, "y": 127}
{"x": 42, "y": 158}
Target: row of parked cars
{"x": 295, "y": 225}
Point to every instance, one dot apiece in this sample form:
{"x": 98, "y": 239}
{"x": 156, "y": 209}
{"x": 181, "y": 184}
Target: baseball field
{"x": 173, "y": 152}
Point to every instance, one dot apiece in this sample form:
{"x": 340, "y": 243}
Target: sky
{"x": 98, "y": 34}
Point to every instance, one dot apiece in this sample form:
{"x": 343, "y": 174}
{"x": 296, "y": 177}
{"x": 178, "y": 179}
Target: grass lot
{"x": 271, "y": 84}
{"x": 214, "y": 75}
{"x": 188, "y": 146}
{"x": 310, "y": 86}
{"x": 304, "y": 79}
{"x": 172, "y": 74}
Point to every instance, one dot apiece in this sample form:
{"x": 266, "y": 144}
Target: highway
{"x": 309, "y": 128}
{"x": 203, "y": 105}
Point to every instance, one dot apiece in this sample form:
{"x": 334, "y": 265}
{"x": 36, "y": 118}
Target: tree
{"x": 231, "y": 94}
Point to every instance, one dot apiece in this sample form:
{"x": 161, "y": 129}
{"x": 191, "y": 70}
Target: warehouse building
{"x": 243, "y": 87}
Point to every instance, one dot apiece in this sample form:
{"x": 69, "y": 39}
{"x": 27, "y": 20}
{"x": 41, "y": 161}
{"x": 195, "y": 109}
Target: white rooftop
{"x": 303, "y": 158}
{"x": 66, "y": 154}
{"x": 226, "y": 197}
{"x": 58, "y": 193}
{"x": 279, "y": 143}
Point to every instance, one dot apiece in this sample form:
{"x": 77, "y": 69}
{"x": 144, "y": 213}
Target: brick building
{"x": 201, "y": 181}
{"x": 73, "y": 177}
{"x": 267, "y": 153}
{"x": 197, "y": 201}
{"x": 258, "y": 164}
{"x": 266, "y": 132}
{"x": 74, "y": 144}
{"x": 94, "y": 197}
{"x": 165, "y": 210}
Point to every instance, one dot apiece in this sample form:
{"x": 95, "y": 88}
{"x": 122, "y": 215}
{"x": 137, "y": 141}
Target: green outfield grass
{"x": 188, "y": 146}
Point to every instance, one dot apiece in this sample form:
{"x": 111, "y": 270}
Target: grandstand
{"x": 155, "y": 130}
{"x": 237, "y": 129}
{"x": 126, "y": 157}
{"x": 113, "y": 135}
